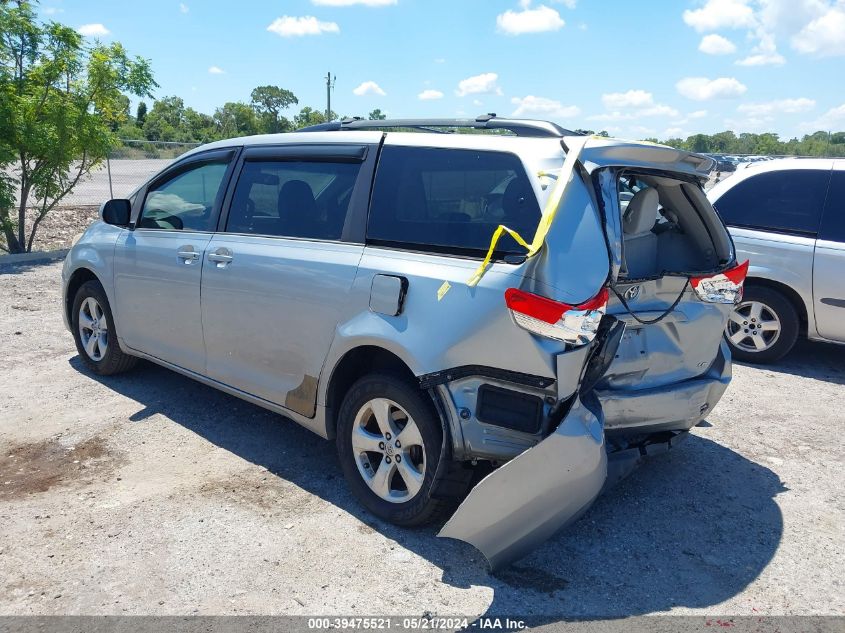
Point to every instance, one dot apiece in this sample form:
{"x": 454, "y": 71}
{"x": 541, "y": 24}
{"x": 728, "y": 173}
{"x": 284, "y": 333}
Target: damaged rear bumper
{"x": 550, "y": 485}
{"x": 677, "y": 407}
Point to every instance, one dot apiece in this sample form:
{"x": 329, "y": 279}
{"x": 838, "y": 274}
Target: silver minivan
{"x": 356, "y": 278}
{"x": 788, "y": 217}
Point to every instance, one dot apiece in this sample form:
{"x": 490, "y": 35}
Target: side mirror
{"x": 116, "y": 211}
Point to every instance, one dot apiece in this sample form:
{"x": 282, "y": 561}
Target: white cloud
{"x": 765, "y": 53}
{"x": 349, "y": 3}
{"x": 720, "y": 14}
{"x": 716, "y": 45}
{"x": 485, "y": 83}
{"x": 440, "y": 60}
{"x": 93, "y": 30}
{"x": 183, "y": 8}
{"x": 430, "y": 95}
{"x": 698, "y": 114}
{"x": 529, "y": 20}
{"x": 289, "y": 26}
{"x": 704, "y": 89}
{"x": 632, "y": 105}
{"x": 369, "y": 88}
{"x": 51, "y": 10}
{"x": 216, "y": 70}
{"x": 779, "y": 106}
{"x": 674, "y": 132}
{"x": 543, "y": 107}
{"x": 477, "y": 102}
{"x": 833, "y": 119}
{"x": 824, "y": 36}
{"x": 630, "y": 99}
{"x": 656, "y": 110}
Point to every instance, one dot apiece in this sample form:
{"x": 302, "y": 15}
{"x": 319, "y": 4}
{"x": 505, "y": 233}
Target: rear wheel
{"x": 95, "y": 334}
{"x": 390, "y": 445}
{"x": 763, "y": 327}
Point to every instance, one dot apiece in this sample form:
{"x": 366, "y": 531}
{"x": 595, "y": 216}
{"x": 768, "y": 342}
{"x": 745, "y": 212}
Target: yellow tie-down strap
{"x": 546, "y": 219}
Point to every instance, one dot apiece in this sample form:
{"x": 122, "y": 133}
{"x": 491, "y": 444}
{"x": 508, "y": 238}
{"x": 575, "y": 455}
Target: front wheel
{"x": 763, "y": 327}
{"x": 95, "y": 334}
{"x": 390, "y": 445}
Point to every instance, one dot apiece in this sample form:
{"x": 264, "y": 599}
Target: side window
{"x": 451, "y": 200}
{"x": 185, "y": 201}
{"x": 788, "y": 201}
{"x": 833, "y": 222}
{"x": 292, "y": 198}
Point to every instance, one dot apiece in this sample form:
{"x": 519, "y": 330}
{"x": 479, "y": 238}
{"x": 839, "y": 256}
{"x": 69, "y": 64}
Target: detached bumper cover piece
{"x": 550, "y": 485}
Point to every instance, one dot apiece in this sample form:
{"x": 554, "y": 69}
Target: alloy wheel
{"x": 388, "y": 450}
{"x": 93, "y": 329}
{"x": 753, "y": 327}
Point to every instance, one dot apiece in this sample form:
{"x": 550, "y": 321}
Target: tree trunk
{"x": 22, "y": 218}
{"x": 12, "y": 242}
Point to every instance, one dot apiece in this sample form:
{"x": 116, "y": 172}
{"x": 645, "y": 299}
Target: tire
{"x": 760, "y": 345}
{"x": 95, "y": 333}
{"x": 436, "y": 483}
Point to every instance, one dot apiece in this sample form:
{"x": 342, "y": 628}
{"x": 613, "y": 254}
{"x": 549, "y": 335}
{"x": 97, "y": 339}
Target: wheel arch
{"x": 79, "y": 276}
{"x": 357, "y": 362}
{"x": 789, "y": 293}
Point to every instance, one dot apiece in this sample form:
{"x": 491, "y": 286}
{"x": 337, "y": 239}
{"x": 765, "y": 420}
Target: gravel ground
{"x": 149, "y": 493}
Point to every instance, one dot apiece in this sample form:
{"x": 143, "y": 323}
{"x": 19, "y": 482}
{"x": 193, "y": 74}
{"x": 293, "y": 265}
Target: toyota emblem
{"x": 632, "y": 293}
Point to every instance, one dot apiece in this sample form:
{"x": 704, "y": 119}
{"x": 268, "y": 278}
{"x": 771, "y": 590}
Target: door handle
{"x": 187, "y": 254}
{"x": 222, "y": 257}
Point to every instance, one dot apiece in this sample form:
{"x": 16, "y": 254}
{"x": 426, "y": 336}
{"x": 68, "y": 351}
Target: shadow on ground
{"x": 811, "y": 359}
{"x": 691, "y": 528}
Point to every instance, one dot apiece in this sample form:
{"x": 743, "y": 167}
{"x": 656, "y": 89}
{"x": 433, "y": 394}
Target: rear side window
{"x": 787, "y": 201}
{"x": 292, "y": 198}
{"x": 833, "y": 222}
{"x": 448, "y": 200}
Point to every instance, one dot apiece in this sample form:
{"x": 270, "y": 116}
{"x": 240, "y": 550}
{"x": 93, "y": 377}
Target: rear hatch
{"x": 662, "y": 236}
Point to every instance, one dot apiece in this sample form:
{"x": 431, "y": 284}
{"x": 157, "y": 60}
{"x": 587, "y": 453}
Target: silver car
{"x": 787, "y": 216}
{"x": 355, "y": 278}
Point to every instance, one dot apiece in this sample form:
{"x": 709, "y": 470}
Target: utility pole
{"x": 329, "y": 87}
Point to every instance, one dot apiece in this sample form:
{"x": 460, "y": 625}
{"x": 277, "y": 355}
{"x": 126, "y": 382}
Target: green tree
{"x": 308, "y": 116}
{"x": 235, "y": 119}
{"x": 268, "y": 103}
{"x": 141, "y": 114}
{"x": 377, "y": 115}
{"x": 166, "y": 120}
{"x": 60, "y": 102}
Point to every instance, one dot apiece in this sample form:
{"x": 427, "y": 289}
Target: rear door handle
{"x": 222, "y": 257}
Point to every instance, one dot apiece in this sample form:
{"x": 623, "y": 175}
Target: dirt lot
{"x": 149, "y": 493}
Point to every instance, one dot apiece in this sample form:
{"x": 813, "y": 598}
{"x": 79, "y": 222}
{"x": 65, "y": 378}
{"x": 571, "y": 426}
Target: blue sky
{"x": 649, "y": 68}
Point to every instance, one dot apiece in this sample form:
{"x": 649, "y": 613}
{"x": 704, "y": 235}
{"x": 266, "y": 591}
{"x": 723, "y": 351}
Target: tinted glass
{"x": 186, "y": 201}
{"x": 787, "y": 201}
{"x": 833, "y": 222}
{"x": 292, "y": 199}
{"x": 451, "y": 200}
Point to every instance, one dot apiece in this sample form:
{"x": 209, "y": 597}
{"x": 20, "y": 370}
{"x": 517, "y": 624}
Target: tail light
{"x": 726, "y": 287}
{"x": 576, "y": 325}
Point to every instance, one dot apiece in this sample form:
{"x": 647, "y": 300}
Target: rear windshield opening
{"x": 667, "y": 226}
{"x": 449, "y": 200}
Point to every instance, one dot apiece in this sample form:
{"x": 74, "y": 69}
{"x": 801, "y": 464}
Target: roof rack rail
{"x": 520, "y": 127}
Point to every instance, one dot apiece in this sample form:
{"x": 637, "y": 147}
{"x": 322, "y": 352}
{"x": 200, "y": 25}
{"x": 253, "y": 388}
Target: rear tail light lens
{"x": 726, "y": 287}
{"x": 576, "y": 325}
